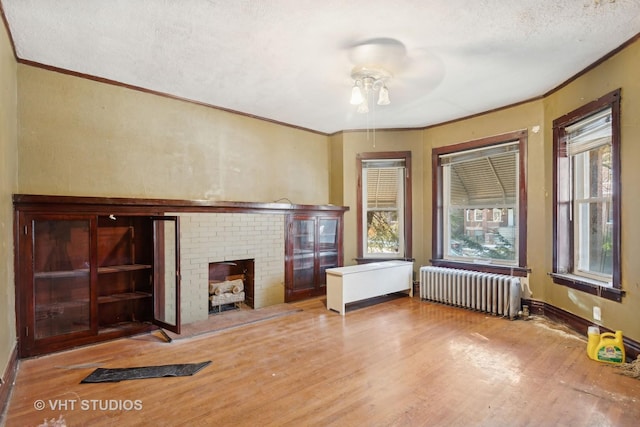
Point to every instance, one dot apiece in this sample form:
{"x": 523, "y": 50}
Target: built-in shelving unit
{"x": 313, "y": 244}
{"x": 85, "y": 275}
{"x": 95, "y": 268}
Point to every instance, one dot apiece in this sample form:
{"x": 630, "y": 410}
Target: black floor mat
{"x": 102, "y": 375}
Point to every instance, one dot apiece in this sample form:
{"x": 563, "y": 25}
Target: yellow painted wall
{"x": 618, "y": 72}
{"x": 81, "y": 137}
{"x": 8, "y": 186}
{"x": 527, "y": 116}
{"x": 621, "y": 71}
{"x": 336, "y": 178}
{"x": 84, "y": 138}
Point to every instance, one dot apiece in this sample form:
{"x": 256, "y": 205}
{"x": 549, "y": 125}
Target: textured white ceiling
{"x": 290, "y": 60}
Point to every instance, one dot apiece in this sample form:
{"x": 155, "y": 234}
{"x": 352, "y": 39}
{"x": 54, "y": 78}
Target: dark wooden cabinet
{"x": 58, "y": 298}
{"x": 89, "y": 269}
{"x": 90, "y": 276}
{"x": 313, "y": 244}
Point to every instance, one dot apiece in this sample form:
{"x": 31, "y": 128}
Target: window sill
{"x": 381, "y": 259}
{"x": 483, "y": 267}
{"x": 592, "y": 287}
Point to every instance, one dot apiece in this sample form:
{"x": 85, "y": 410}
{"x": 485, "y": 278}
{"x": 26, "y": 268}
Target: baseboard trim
{"x": 578, "y": 324}
{"x": 7, "y": 381}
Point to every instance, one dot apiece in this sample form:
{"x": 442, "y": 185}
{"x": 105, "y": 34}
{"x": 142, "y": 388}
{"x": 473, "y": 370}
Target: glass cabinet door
{"x": 303, "y": 253}
{"x": 166, "y": 273}
{"x": 327, "y": 246}
{"x": 313, "y": 244}
{"x": 61, "y": 277}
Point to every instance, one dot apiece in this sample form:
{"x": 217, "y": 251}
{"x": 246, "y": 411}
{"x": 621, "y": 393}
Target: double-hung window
{"x": 479, "y": 203}
{"x": 384, "y": 205}
{"x": 586, "y": 196}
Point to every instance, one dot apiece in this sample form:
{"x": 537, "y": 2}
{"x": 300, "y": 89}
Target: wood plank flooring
{"x": 403, "y": 362}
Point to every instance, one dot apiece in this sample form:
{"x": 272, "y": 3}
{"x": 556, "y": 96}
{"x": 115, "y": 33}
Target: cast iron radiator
{"x": 497, "y": 294}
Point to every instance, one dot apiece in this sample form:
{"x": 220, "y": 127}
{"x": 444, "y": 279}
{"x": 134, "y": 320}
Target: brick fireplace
{"x": 226, "y": 271}
{"x": 217, "y": 237}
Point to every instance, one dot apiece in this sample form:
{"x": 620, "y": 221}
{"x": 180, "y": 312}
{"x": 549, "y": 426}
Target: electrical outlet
{"x": 597, "y": 314}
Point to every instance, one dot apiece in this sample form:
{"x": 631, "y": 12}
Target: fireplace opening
{"x": 230, "y": 284}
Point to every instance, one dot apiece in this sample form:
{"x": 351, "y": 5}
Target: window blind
{"x": 390, "y": 163}
{"x": 589, "y": 133}
{"x": 478, "y": 153}
{"x": 483, "y": 177}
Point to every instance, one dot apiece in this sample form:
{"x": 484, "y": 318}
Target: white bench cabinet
{"x": 359, "y": 282}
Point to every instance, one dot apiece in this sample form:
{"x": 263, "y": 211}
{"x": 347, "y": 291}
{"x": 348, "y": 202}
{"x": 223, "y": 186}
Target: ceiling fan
{"x": 378, "y": 61}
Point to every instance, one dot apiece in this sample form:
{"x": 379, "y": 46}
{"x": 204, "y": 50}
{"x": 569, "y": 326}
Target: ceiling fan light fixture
{"x": 367, "y": 81}
{"x": 383, "y": 96}
{"x": 356, "y": 95}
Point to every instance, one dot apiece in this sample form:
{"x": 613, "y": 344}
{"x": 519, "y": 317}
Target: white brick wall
{"x": 215, "y": 237}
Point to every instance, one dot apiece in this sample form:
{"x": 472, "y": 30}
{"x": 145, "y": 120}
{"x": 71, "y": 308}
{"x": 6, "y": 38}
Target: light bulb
{"x": 356, "y": 95}
{"x": 383, "y": 96}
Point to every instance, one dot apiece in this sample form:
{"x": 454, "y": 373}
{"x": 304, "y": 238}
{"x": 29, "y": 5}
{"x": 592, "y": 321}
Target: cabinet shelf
{"x": 124, "y": 296}
{"x": 304, "y": 254}
{"x": 133, "y": 327}
{"x": 122, "y": 268}
{"x": 55, "y": 307}
{"x": 92, "y": 273}
{"x": 61, "y": 274}
{"x": 80, "y": 272}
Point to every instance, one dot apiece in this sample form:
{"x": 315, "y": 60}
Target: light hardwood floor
{"x": 400, "y": 363}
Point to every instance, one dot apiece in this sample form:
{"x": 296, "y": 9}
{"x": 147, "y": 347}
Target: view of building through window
{"x": 482, "y": 233}
{"x": 480, "y": 198}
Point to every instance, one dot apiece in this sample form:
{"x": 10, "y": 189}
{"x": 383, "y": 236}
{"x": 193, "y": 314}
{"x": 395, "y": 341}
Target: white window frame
{"x": 580, "y": 179}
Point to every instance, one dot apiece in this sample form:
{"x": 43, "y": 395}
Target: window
{"x": 479, "y": 204}
{"x": 586, "y": 252}
{"x": 384, "y": 205}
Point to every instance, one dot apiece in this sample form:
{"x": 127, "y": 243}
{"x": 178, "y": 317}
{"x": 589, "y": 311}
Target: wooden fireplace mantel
{"x": 82, "y": 204}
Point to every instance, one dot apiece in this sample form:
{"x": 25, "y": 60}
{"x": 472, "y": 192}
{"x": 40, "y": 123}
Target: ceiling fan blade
{"x": 387, "y": 53}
